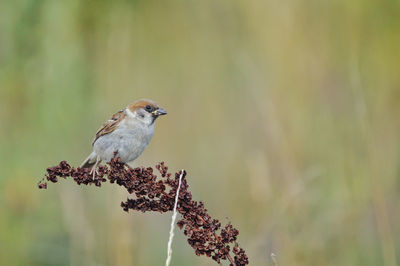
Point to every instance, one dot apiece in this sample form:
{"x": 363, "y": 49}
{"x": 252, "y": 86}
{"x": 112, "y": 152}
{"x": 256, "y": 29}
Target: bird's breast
{"x": 129, "y": 141}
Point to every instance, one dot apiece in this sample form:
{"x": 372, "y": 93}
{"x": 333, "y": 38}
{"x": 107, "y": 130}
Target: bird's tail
{"x": 89, "y": 161}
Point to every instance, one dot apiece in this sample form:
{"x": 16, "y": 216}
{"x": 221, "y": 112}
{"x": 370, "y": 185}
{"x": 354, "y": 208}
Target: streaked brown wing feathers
{"x": 110, "y": 125}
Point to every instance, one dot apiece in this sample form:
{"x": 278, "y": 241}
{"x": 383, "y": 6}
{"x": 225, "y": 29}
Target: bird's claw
{"x": 94, "y": 172}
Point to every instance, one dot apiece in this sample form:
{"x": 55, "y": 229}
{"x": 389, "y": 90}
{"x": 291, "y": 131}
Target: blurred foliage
{"x": 284, "y": 113}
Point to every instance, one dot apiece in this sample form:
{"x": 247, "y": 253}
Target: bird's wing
{"x": 110, "y": 125}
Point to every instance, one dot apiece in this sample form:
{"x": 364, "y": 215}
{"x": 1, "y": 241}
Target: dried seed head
{"x": 205, "y": 235}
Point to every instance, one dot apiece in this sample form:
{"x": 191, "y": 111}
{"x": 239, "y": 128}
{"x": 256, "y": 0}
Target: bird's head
{"x": 146, "y": 111}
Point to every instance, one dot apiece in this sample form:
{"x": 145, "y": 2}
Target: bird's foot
{"x": 94, "y": 171}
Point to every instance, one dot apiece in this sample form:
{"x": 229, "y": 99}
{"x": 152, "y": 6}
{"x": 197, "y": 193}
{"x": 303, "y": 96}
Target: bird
{"x": 125, "y": 135}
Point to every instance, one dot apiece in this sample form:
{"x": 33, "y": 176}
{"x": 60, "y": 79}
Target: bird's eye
{"x": 148, "y": 108}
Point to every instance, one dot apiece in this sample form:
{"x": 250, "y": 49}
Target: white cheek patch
{"x": 129, "y": 113}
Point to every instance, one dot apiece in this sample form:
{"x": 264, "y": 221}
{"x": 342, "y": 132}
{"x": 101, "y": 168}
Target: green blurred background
{"x": 284, "y": 113}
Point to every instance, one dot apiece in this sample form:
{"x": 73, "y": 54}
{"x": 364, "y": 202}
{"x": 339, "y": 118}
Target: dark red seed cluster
{"x": 206, "y": 235}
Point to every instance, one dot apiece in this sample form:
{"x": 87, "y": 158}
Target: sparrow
{"x": 126, "y": 134}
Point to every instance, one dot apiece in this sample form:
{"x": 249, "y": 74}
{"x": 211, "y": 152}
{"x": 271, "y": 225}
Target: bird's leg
{"x": 94, "y": 168}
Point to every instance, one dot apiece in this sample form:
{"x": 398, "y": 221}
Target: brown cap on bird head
{"x": 148, "y": 105}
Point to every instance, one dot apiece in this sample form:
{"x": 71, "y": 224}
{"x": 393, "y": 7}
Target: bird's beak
{"x": 159, "y": 111}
